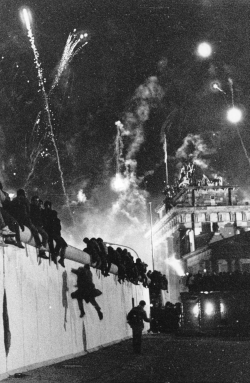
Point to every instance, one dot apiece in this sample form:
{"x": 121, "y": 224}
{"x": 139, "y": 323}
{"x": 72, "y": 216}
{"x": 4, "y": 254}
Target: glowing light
{"x": 204, "y": 50}
{"x": 119, "y": 183}
{"x": 26, "y": 17}
{"x": 222, "y": 308}
{"x": 196, "y": 310}
{"x": 234, "y": 115}
{"x": 70, "y": 50}
{"x": 216, "y": 86}
{"x": 81, "y": 197}
{"x": 176, "y": 265}
{"x": 209, "y": 309}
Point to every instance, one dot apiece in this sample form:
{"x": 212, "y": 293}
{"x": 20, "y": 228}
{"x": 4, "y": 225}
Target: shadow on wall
{"x": 64, "y": 296}
{"x": 65, "y": 289}
{"x": 7, "y": 333}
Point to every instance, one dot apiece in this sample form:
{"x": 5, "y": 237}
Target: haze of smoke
{"x": 194, "y": 149}
{"x": 146, "y": 97}
{"x": 115, "y": 225}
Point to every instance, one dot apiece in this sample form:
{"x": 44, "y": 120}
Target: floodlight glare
{"x": 209, "y": 308}
{"x": 196, "y": 310}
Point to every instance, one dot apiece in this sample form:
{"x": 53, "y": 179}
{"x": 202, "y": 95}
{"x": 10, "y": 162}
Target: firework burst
{"x": 27, "y": 20}
{"x": 71, "y": 49}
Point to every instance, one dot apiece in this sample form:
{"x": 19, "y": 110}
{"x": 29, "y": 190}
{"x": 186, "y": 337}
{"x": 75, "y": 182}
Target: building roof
{"x": 237, "y": 246}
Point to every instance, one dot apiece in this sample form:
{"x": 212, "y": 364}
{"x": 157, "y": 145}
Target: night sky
{"x": 139, "y": 67}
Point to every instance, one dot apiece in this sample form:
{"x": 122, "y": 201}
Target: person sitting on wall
{"x": 52, "y": 226}
{"x": 37, "y": 220}
{"x": 86, "y": 290}
{"x": 164, "y": 282}
{"x": 20, "y": 210}
{"x": 9, "y": 220}
{"x": 104, "y": 257}
{"x": 120, "y": 265}
{"x": 142, "y": 270}
{"x": 94, "y": 251}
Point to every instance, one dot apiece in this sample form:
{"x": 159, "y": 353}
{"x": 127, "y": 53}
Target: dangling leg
{"x": 97, "y": 307}
{"x": 80, "y": 305}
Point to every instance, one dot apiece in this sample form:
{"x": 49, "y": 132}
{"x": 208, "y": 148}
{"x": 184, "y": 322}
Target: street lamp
{"x": 152, "y": 244}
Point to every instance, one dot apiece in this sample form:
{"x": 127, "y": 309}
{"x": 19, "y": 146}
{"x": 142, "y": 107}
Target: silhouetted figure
{"x": 104, "y": 257}
{"x": 93, "y": 250}
{"x": 37, "y": 220}
{"x": 52, "y": 225}
{"x": 86, "y": 290}
{"x": 9, "y": 220}
{"x": 20, "y": 210}
{"x": 135, "y": 319}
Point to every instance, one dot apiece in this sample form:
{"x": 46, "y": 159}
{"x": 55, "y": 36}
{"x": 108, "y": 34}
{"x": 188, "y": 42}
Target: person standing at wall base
{"x": 135, "y": 319}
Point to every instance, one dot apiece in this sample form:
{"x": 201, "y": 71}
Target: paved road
{"x": 165, "y": 359}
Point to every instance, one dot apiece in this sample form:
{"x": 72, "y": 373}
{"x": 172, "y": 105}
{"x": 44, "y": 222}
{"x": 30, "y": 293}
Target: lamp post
{"x": 152, "y": 244}
{"x": 117, "y": 244}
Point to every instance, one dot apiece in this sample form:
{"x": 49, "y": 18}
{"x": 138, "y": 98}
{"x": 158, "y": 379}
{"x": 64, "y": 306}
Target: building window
{"x": 182, "y": 218}
{"x": 244, "y": 216}
{"x": 222, "y": 266}
{"x": 207, "y": 217}
{"x": 232, "y": 217}
{"x": 220, "y": 217}
{"x": 245, "y": 265}
{"x": 196, "y": 218}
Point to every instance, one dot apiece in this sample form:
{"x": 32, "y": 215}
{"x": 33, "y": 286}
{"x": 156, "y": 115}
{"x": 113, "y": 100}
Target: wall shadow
{"x": 65, "y": 289}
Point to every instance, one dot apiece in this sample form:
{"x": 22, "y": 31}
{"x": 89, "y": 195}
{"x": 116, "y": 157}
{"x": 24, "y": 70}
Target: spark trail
{"x": 26, "y": 17}
{"x": 70, "y": 51}
{"x": 118, "y": 146}
{"x": 237, "y": 127}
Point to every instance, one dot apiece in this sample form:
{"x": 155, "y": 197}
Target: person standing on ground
{"x": 135, "y": 319}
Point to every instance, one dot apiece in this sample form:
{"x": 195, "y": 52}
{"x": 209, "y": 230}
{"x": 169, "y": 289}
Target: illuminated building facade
{"x": 201, "y": 227}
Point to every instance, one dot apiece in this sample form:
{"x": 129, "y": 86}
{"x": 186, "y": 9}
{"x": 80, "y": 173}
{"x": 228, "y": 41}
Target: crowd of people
{"x": 45, "y": 227}
{"x": 189, "y": 177}
{"x": 165, "y": 319}
{"x": 103, "y": 255}
{"x": 223, "y": 281}
{"x": 39, "y": 218}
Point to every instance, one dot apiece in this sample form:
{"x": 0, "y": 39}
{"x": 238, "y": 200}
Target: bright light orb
{"x": 234, "y": 115}
{"x": 204, "y": 50}
{"x": 119, "y": 183}
{"x": 26, "y": 17}
{"x": 209, "y": 309}
{"x": 196, "y": 310}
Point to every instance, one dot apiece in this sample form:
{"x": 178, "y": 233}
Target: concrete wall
{"x": 44, "y": 321}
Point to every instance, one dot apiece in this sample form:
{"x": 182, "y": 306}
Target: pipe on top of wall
{"x": 72, "y": 253}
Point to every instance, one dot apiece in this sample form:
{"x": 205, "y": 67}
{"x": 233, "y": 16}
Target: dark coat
{"x": 36, "y": 215}
{"x": 19, "y": 208}
{"x": 86, "y": 287}
{"x": 141, "y": 316}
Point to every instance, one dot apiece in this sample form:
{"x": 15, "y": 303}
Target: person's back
{"x": 19, "y": 208}
{"x": 35, "y": 212}
{"x": 135, "y": 318}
